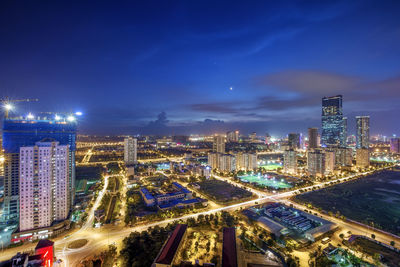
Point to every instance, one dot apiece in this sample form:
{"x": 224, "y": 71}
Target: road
{"x": 99, "y": 239}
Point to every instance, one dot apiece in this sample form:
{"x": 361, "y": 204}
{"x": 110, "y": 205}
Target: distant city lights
{"x": 78, "y": 113}
{"x": 30, "y": 116}
{"x": 71, "y": 118}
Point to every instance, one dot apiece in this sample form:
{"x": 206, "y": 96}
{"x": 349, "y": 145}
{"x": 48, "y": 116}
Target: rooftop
{"x": 229, "y": 253}
{"x": 169, "y": 250}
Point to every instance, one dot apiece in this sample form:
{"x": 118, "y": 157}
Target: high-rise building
{"x": 219, "y": 144}
{"x": 43, "y": 185}
{"x": 22, "y": 132}
{"x": 362, "y": 137}
{"x": 222, "y": 162}
{"x": 294, "y": 141}
{"x": 395, "y": 145}
{"x": 343, "y": 156}
{"x": 313, "y": 138}
{"x": 332, "y": 122}
{"x": 329, "y": 161}
{"x": 246, "y": 161}
{"x": 290, "y": 161}
{"x": 362, "y": 157}
{"x": 316, "y": 163}
{"x": 213, "y": 160}
{"x": 227, "y": 163}
{"x": 130, "y": 150}
{"x": 232, "y": 136}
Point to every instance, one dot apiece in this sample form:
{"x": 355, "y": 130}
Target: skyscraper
{"x": 22, "y": 132}
{"x": 219, "y": 144}
{"x": 294, "y": 141}
{"x": 313, "y": 138}
{"x": 130, "y": 150}
{"x": 332, "y": 122}
{"x": 362, "y": 137}
{"x": 43, "y": 185}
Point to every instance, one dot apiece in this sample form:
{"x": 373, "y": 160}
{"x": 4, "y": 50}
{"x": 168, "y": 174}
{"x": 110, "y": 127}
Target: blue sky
{"x": 124, "y": 63}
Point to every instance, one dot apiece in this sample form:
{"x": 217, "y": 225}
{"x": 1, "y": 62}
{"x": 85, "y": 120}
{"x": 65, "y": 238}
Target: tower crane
{"x": 7, "y": 103}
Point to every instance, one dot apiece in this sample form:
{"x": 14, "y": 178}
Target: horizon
{"x": 180, "y": 68}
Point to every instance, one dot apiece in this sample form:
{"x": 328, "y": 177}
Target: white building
{"x": 290, "y": 161}
{"x": 213, "y": 160}
{"x": 203, "y": 171}
{"x": 219, "y": 144}
{"x": 226, "y": 163}
{"x": 43, "y": 185}
{"x": 246, "y": 161}
{"x": 316, "y": 163}
{"x": 130, "y": 150}
{"x": 222, "y": 162}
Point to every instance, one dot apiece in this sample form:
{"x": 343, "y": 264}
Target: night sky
{"x": 179, "y": 67}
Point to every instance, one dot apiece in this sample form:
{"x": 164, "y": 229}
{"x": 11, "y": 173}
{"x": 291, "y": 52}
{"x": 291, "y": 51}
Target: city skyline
{"x": 199, "y": 133}
{"x": 131, "y": 68}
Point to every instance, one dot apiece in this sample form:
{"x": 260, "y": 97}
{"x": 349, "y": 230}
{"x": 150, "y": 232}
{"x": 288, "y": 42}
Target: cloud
{"x": 221, "y": 107}
{"x": 308, "y": 82}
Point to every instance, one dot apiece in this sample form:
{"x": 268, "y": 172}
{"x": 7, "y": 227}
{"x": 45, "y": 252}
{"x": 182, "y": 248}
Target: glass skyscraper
{"x": 19, "y": 133}
{"x": 333, "y": 124}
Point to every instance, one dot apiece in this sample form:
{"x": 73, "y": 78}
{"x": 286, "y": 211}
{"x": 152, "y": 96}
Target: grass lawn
{"x": 222, "y": 191}
{"x": 374, "y": 200}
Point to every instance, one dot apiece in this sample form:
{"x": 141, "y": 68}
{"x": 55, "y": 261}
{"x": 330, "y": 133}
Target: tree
{"x": 372, "y": 236}
{"x": 341, "y": 236}
{"x": 392, "y": 243}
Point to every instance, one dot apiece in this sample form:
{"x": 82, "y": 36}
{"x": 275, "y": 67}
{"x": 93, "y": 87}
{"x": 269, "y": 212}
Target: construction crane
{"x": 7, "y": 103}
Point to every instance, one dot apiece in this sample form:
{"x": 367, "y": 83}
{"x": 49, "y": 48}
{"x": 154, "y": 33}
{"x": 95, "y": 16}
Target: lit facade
{"x": 130, "y": 150}
{"x": 329, "y": 161}
{"x": 343, "y": 156}
{"x": 290, "y": 161}
{"x": 362, "y": 157}
{"x": 362, "y": 137}
{"x": 22, "y": 132}
{"x": 43, "y": 185}
{"x": 333, "y": 130}
{"x": 316, "y": 163}
{"x": 246, "y": 161}
{"x": 219, "y": 144}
